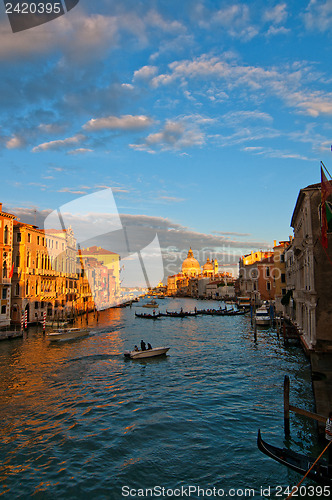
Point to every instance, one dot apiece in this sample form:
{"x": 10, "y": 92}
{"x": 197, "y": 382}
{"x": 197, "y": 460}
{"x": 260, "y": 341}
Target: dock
{"x": 9, "y": 334}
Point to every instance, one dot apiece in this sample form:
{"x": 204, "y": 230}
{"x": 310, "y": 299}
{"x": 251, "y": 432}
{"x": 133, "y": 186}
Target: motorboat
{"x": 262, "y": 316}
{"x": 148, "y": 353}
{"x": 62, "y": 334}
{"x": 153, "y": 303}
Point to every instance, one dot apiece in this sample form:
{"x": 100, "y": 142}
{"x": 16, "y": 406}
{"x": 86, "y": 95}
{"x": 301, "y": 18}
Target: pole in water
{"x": 255, "y": 330}
{"x": 286, "y": 406}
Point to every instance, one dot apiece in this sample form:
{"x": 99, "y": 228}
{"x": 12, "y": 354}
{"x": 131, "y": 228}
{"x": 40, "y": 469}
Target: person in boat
{"x": 143, "y": 346}
{"x": 136, "y": 348}
{"x": 149, "y": 345}
{"x": 328, "y": 437}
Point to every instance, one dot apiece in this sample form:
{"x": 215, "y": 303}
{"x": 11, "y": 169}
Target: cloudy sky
{"x": 204, "y": 117}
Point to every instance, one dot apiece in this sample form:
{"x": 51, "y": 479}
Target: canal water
{"x": 79, "y": 421}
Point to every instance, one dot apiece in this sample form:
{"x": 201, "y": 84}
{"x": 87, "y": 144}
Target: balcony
{"x": 6, "y": 281}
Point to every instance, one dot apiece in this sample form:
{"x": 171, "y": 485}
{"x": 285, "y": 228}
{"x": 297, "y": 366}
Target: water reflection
{"x": 79, "y": 420}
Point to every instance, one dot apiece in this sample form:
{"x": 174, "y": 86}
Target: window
{"x": 5, "y": 238}
{"x": 267, "y": 272}
{"x": 283, "y": 278}
{"x": 29, "y": 238}
{"x": 3, "y": 309}
{"x": 36, "y": 305}
{"x": 17, "y": 289}
{"x": 17, "y": 262}
{"x": 27, "y": 288}
{"x": 282, "y": 257}
{"x": 268, "y": 286}
{"x": 283, "y": 291}
{"x": 38, "y": 240}
{"x": 4, "y": 293}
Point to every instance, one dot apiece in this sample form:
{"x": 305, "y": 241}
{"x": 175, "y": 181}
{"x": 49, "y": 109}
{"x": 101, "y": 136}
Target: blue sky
{"x": 204, "y": 117}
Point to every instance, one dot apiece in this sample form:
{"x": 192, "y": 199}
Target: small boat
{"x": 67, "y": 334}
{"x": 147, "y": 316}
{"x": 148, "y": 353}
{"x": 296, "y": 461}
{"x": 153, "y": 303}
{"x": 262, "y": 316}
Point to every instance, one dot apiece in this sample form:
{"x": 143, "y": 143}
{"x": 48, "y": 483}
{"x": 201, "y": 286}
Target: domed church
{"x": 190, "y": 266}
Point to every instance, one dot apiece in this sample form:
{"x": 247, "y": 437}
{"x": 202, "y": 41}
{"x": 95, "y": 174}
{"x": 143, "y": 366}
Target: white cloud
{"x": 318, "y": 15}
{"x": 80, "y": 151}
{"x": 145, "y": 73}
{"x": 15, "y": 143}
{"x": 175, "y": 135}
{"x": 59, "y": 144}
{"x": 125, "y": 122}
{"x": 277, "y": 14}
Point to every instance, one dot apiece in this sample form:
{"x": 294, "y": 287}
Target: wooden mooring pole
{"x": 288, "y": 407}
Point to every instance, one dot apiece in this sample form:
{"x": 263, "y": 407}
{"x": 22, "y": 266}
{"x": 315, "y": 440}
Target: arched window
{"x": 5, "y": 236}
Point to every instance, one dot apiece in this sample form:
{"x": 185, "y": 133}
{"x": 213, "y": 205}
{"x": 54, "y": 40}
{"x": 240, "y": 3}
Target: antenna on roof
{"x": 322, "y": 165}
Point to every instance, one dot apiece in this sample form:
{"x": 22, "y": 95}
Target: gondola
{"x": 176, "y": 314}
{"x": 147, "y": 316}
{"x": 296, "y": 461}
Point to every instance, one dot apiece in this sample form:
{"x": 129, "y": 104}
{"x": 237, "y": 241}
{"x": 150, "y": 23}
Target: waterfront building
{"x": 256, "y": 276}
{"x": 101, "y": 289}
{"x": 111, "y": 261}
{"x": 190, "y": 266}
{"x": 193, "y": 279}
{"x": 309, "y": 272}
{"x": 218, "y": 290}
{"x": 279, "y": 276}
{"x": 44, "y": 277}
{"x": 6, "y": 263}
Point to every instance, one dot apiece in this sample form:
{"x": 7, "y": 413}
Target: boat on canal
{"x": 147, "y": 316}
{"x": 297, "y": 462}
{"x": 262, "y": 316}
{"x": 62, "y": 334}
{"x": 153, "y": 303}
{"x": 148, "y": 353}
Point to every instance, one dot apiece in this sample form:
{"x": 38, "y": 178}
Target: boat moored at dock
{"x": 62, "y": 334}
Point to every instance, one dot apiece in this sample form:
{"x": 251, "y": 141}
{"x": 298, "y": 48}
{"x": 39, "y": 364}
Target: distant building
{"x": 256, "y": 276}
{"x": 309, "y": 272}
{"x": 193, "y": 280}
{"x": 279, "y": 276}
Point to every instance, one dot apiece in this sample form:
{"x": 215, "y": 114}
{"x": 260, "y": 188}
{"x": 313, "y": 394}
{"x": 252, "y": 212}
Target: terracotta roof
{"x": 96, "y": 251}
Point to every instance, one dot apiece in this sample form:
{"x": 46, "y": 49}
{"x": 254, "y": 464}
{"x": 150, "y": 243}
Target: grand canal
{"x": 78, "y": 421}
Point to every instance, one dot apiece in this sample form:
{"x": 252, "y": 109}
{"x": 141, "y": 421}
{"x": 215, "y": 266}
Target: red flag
{"x": 326, "y": 190}
{"x": 11, "y": 271}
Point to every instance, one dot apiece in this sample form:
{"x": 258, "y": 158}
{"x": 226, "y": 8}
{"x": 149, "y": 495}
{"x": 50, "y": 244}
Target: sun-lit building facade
{"x": 6, "y": 263}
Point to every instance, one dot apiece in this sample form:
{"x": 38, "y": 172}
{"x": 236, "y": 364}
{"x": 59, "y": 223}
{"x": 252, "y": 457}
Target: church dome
{"x": 208, "y": 266}
{"x": 190, "y": 265}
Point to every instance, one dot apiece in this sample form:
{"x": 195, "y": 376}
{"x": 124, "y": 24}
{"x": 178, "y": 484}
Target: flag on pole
{"x": 11, "y": 271}
{"x": 326, "y": 190}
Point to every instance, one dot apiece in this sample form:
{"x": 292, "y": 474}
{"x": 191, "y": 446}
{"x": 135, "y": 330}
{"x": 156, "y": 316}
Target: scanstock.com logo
{"x": 24, "y": 15}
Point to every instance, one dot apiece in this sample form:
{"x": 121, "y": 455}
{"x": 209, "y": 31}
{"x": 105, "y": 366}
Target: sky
{"x": 205, "y": 118}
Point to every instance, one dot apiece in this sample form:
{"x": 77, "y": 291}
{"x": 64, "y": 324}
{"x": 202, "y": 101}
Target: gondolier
{"x": 328, "y": 437}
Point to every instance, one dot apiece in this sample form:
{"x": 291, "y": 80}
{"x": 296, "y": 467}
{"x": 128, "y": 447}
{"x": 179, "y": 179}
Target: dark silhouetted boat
{"x": 147, "y": 316}
{"x": 296, "y": 461}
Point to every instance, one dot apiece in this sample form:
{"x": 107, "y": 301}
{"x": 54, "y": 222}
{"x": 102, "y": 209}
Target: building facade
{"x": 6, "y": 263}
{"x": 309, "y": 272}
